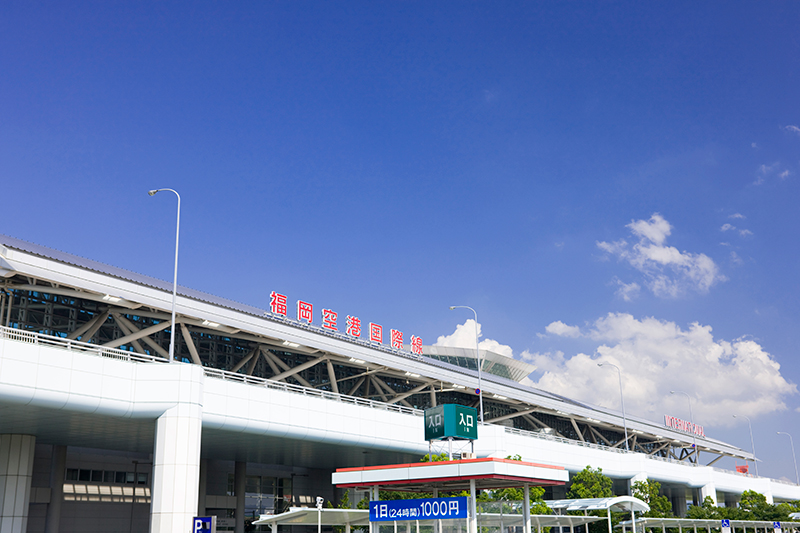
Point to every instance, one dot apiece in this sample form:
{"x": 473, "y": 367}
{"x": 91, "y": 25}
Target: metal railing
{"x": 563, "y": 440}
{"x": 306, "y": 391}
{"x": 30, "y": 337}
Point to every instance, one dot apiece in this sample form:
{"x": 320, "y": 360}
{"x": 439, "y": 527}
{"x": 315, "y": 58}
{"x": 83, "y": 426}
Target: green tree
{"x": 590, "y": 483}
{"x": 436, "y": 457}
{"x": 705, "y": 511}
{"x": 649, "y": 492}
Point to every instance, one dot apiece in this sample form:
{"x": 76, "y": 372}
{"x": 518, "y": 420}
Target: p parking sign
{"x": 204, "y": 524}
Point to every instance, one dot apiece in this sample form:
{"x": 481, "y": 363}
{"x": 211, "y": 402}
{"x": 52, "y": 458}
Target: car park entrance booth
{"x": 454, "y": 476}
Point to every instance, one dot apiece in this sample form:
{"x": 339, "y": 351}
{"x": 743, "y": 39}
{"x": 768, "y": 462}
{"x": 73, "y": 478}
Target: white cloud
{"x": 735, "y": 258}
{"x": 765, "y": 171}
{"x": 754, "y": 145}
{"x": 667, "y": 271}
{"x": 627, "y": 291}
{"x": 464, "y": 337}
{"x": 737, "y": 215}
{"x": 793, "y": 129}
{"x": 656, "y": 230}
{"x": 730, "y": 227}
{"x": 657, "y": 356}
{"x": 563, "y": 330}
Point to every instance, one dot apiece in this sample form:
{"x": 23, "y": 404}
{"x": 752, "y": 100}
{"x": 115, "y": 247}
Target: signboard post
{"x": 777, "y": 527}
{"x": 451, "y": 421}
{"x": 204, "y": 524}
{"x": 418, "y": 509}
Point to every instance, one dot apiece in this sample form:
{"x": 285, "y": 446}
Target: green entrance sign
{"x": 451, "y": 420}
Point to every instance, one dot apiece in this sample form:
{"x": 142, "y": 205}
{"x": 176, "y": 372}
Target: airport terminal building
{"x": 100, "y": 431}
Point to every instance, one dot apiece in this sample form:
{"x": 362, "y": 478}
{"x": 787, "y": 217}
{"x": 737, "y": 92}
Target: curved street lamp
{"x": 175, "y": 277}
{"x": 691, "y": 419}
{"x": 752, "y": 445}
{"x": 791, "y": 442}
{"x": 622, "y": 401}
{"x": 477, "y": 356}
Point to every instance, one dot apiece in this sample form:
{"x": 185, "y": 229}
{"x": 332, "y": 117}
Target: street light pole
{"x": 752, "y": 445}
{"x": 175, "y": 277}
{"x": 477, "y": 356}
{"x": 791, "y": 442}
{"x": 622, "y": 401}
{"x": 691, "y": 419}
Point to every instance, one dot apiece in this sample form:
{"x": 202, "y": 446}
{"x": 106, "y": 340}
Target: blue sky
{"x": 601, "y": 181}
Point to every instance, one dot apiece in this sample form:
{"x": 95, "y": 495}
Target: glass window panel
{"x": 119, "y": 477}
{"x": 253, "y": 484}
{"x": 84, "y": 475}
{"x": 97, "y": 475}
{"x": 72, "y": 474}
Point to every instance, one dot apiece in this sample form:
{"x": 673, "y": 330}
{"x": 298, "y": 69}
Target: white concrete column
{"x": 16, "y": 472}
{"x": 526, "y": 509}
{"x": 58, "y": 465}
{"x": 473, "y": 507}
{"x": 239, "y": 485}
{"x": 708, "y": 490}
{"x": 176, "y": 469}
{"x": 641, "y": 476}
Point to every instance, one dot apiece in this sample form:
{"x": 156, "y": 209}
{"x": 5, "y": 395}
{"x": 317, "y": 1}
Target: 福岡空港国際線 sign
{"x": 684, "y": 426}
{"x": 279, "y": 305}
{"x": 451, "y": 420}
{"x": 418, "y": 509}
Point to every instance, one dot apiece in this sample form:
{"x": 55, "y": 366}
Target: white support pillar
{"x": 58, "y": 466}
{"x": 526, "y": 509}
{"x": 176, "y": 468}
{"x": 473, "y": 508}
{"x": 16, "y": 472}
{"x": 239, "y": 485}
{"x": 708, "y": 490}
{"x": 641, "y": 476}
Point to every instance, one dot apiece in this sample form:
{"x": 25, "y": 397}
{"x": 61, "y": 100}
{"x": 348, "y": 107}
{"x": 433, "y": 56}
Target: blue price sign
{"x": 419, "y": 509}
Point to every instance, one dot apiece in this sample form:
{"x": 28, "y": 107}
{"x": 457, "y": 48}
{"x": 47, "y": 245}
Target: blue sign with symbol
{"x": 776, "y": 525}
{"x": 204, "y": 524}
{"x": 726, "y": 523}
{"x": 418, "y": 509}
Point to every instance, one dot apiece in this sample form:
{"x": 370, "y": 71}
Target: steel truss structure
{"x": 37, "y": 306}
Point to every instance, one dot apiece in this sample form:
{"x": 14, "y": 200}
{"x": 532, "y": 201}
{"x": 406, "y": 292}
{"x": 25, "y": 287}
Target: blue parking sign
{"x": 726, "y": 523}
{"x": 204, "y": 524}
